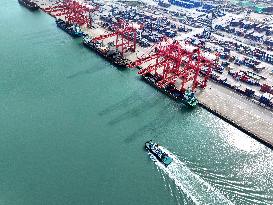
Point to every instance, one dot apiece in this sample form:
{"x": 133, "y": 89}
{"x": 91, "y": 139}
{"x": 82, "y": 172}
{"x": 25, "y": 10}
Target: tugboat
{"x": 112, "y": 55}
{"x": 188, "y": 97}
{"x": 29, "y": 4}
{"x": 72, "y": 29}
{"x": 162, "y": 156}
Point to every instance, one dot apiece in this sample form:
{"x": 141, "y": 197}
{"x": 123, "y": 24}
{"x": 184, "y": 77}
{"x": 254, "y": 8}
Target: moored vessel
{"x": 112, "y": 55}
{"x": 29, "y": 4}
{"x": 187, "y": 97}
{"x": 72, "y": 29}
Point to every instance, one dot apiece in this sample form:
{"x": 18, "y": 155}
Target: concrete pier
{"x": 239, "y": 111}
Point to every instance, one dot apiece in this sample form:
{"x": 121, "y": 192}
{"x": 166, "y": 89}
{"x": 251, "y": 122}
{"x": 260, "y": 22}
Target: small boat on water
{"x": 29, "y": 4}
{"x": 155, "y": 149}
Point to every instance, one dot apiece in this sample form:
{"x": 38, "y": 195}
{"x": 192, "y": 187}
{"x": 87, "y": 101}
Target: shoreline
{"x": 239, "y": 127}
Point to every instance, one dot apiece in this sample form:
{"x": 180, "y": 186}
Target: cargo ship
{"x": 111, "y": 54}
{"x": 72, "y": 29}
{"x": 29, "y": 4}
{"x": 188, "y": 97}
{"x": 157, "y": 151}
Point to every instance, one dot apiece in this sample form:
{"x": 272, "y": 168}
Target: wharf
{"x": 245, "y": 115}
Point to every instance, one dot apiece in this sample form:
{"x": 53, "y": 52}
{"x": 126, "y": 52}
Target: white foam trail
{"x": 200, "y": 192}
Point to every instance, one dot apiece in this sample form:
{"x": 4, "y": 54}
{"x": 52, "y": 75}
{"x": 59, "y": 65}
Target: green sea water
{"x": 72, "y": 130}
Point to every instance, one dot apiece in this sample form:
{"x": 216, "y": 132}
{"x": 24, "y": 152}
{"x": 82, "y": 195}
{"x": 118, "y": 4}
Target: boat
{"x": 112, "y": 55}
{"x": 187, "y": 97}
{"x": 72, "y": 29}
{"x": 29, "y": 4}
{"x": 157, "y": 151}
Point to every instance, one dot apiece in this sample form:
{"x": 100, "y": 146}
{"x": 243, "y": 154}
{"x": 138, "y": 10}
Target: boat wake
{"x": 198, "y": 190}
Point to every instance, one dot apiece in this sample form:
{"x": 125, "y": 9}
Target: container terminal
{"x": 219, "y": 56}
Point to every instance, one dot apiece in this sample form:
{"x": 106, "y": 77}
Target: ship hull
{"x": 28, "y": 4}
{"x": 67, "y": 28}
{"x": 168, "y": 90}
{"x": 119, "y": 61}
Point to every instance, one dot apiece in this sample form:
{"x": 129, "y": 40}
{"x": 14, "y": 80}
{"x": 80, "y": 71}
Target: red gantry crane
{"x": 125, "y": 37}
{"x": 171, "y": 62}
{"x": 73, "y": 11}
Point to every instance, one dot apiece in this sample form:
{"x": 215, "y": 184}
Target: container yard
{"x": 196, "y": 52}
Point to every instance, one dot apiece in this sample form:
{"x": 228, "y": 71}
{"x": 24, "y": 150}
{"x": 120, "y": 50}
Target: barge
{"x": 72, "y": 29}
{"x": 29, "y": 4}
{"x": 112, "y": 55}
{"x": 156, "y": 150}
{"x": 188, "y": 97}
